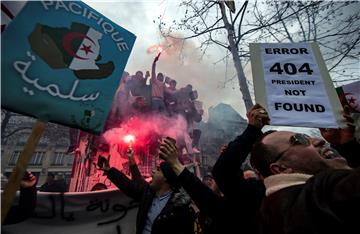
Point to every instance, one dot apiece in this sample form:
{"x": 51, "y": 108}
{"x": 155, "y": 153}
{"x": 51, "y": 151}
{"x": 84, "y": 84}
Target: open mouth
{"x": 329, "y": 153}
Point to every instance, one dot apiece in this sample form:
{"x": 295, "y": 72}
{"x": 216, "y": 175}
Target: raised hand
{"x": 130, "y": 152}
{"x": 157, "y": 57}
{"x": 28, "y": 180}
{"x": 170, "y": 153}
{"x": 258, "y": 116}
{"x": 103, "y": 163}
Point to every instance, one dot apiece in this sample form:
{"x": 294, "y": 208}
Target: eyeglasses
{"x": 296, "y": 139}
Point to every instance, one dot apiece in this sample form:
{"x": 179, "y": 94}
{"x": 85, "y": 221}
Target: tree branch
{"x": 15, "y": 131}
{"x": 350, "y": 48}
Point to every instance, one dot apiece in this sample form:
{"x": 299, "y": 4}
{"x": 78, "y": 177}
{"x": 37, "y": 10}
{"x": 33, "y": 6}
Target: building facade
{"x": 50, "y": 154}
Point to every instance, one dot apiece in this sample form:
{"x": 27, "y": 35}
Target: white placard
{"x": 294, "y": 85}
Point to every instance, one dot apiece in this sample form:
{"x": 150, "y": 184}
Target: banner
{"x": 292, "y": 82}
{"x": 62, "y": 61}
{"x": 105, "y": 212}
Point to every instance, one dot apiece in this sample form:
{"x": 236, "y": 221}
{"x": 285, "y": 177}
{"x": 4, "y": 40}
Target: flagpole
{"x": 18, "y": 172}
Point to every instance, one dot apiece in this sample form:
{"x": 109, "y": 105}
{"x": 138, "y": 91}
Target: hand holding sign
{"x": 258, "y": 116}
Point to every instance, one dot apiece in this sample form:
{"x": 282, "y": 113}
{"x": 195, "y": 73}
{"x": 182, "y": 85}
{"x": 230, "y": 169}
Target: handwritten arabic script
{"x": 53, "y": 89}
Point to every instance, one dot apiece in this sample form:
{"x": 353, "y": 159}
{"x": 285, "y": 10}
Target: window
{"x": 37, "y": 158}
{"x": 70, "y": 160}
{"x": 14, "y": 157}
{"x": 58, "y": 159}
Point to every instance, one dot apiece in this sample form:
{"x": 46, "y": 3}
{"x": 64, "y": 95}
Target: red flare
{"x": 129, "y": 139}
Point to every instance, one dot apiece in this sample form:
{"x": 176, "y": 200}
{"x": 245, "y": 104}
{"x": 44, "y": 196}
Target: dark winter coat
{"x": 328, "y": 202}
{"x": 236, "y": 211}
{"x": 25, "y": 208}
{"x": 176, "y": 217}
{"x": 244, "y": 195}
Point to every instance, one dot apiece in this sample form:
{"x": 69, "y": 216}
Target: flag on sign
{"x": 76, "y": 48}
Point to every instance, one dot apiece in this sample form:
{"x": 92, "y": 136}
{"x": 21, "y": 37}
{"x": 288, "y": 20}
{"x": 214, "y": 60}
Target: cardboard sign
{"x": 292, "y": 82}
{"x": 62, "y": 61}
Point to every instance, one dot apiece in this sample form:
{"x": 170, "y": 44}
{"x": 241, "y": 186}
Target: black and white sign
{"x": 295, "y": 88}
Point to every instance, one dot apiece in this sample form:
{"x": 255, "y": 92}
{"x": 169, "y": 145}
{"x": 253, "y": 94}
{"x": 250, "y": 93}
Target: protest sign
{"x": 292, "y": 82}
{"x": 106, "y": 211}
{"x": 62, "y": 62}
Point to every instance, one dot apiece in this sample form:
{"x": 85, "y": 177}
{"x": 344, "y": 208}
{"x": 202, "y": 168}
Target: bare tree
{"x": 14, "y": 125}
{"x": 333, "y": 25}
{"x": 11, "y": 125}
{"x": 217, "y": 23}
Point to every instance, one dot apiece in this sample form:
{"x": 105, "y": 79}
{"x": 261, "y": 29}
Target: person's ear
{"x": 277, "y": 168}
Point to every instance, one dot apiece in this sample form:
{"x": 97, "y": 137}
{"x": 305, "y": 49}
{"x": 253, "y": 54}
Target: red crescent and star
{"x": 68, "y": 38}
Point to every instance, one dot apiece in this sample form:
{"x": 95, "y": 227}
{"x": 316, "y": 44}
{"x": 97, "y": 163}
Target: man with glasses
{"x": 309, "y": 187}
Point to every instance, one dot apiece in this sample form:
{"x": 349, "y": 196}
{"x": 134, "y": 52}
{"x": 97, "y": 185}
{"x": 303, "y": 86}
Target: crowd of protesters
{"x": 153, "y": 94}
{"x": 138, "y": 94}
{"x": 304, "y": 184}
{"x": 295, "y": 183}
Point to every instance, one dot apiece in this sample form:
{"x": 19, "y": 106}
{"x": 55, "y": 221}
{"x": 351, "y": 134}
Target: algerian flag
{"x": 82, "y": 44}
{"x": 350, "y": 95}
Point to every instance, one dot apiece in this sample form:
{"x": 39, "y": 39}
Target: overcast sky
{"x": 207, "y": 78}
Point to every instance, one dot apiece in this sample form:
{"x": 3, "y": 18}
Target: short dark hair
{"x": 99, "y": 186}
{"x": 263, "y": 155}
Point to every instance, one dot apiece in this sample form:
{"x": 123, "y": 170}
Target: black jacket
{"x": 328, "y": 202}
{"x": 244, "y": 195}
{"x": 350, "y": 151}
{"x": 176, "y": 217}
{"x": 27, "y": 205}
{"x": 236, "y": 211}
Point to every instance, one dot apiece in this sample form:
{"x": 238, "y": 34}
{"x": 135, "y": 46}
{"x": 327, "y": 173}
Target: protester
{"x": 157, "y": 89}
{"x": 310, "y": 188}
{"x": 243, "y": 193}
{"x": 239, "y": 194}
{"x": 60, "y": 183}
{"x": 206, "y": 223}
{"x": 343, "y": 139}
{"x": 207, "y": 201}
{"x": 27, "y": 201}
{"x": 163, "y": 209}
{"x": 98, "y": 187}
{"x": 52, "y": 185}
{"x": 209, "y": 181}
{"x": 170, "y": 97}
